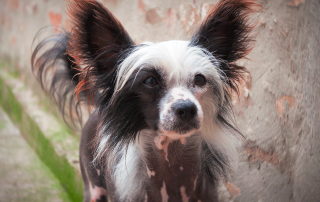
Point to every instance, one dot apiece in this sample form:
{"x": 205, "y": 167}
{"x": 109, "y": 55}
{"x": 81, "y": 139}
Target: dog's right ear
{"x": 97, "y": 38}
{"x": 97, "y": 42}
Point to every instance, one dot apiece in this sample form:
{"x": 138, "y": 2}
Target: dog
{"x": 161, "y": 112}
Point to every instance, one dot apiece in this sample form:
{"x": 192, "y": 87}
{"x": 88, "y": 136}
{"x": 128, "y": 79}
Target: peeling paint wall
{"x": 278, "y": 108}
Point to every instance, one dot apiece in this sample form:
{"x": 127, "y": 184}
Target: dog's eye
{"x": 199, "y": 80}
{"x": 150, "y": 82}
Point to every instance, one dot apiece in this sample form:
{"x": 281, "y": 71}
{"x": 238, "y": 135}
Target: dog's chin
{"x": 179, "y": 129}
{"x": 175, "y": 135}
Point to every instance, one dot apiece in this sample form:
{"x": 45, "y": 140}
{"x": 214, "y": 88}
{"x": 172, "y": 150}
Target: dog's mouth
{"x": 174, "y": 135}
{"x": 176, "y": 129}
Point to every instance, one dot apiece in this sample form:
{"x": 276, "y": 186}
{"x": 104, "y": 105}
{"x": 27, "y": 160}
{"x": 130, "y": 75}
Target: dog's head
{"x": 176, "y": 88}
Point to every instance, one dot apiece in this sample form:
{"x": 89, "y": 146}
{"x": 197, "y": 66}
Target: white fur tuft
{"x": 177, "y": 59}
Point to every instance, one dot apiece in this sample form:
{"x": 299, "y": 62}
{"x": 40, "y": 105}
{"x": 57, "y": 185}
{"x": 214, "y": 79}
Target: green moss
{"x": 9, "y": 103}
{"x": 14, "y": 73}
{"x": 12, "y": 70}
{"x": 2, "y": 64}
{"x": 59, "y": 165}
{"x": 49, "y": 106}
{"x": 43, "y": 193}
{"x": 2, "y": 125}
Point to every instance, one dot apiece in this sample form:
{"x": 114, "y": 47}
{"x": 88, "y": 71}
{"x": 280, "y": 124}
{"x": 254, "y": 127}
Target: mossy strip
{"x": 59, "y": 165}
{"x": 2, "y": 125}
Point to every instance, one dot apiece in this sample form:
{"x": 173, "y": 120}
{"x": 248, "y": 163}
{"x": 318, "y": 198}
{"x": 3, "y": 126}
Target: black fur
{"x": 55, "y": 61}
{"x": 133, "y": 109}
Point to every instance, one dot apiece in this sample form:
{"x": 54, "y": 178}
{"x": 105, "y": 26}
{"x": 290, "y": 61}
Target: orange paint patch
{"x": 35, "y": 9}
{"x": 55, "y": 19}
{"x": 296, "y": 3}
{"x": 14, "y": 4}
{"x": 255, "y": 153}
{"x": 232, "y": 189}
{"x": 284, "y": 104}
{"x": 13, "y": 40}
{"x": 141, "y": 5}
{"x": 152, "y": 16}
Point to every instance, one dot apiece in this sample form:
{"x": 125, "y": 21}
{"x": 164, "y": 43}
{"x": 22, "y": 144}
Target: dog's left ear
{"x": 225, "y": 33}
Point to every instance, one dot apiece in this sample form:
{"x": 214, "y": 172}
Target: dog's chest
{"x": 172, "y": 172}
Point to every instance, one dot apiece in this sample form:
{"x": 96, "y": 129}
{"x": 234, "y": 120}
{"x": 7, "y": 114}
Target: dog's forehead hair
{"x": 177, "y": 61}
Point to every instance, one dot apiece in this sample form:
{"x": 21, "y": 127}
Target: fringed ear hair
{"x": 97, "y": 42}
{"x": 225, "y": 33}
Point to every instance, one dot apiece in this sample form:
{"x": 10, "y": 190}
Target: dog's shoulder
{"x": 92, "y": 123}
{"x": 89, "y": 131}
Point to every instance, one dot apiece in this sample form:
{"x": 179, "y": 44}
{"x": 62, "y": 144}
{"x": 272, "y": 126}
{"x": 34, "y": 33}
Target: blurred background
{"x": 278, "y": 109}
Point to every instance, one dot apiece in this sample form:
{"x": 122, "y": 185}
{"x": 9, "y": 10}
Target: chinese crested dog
{"x": 160, "y": 111}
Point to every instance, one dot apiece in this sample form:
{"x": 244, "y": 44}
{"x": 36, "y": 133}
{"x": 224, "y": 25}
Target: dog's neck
{"x": 174, "y": 170}
{"x": 171, "y": 166}
{"x": 159, "y": 169}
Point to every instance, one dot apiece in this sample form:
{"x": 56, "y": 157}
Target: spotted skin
{"x": 175, "y": 172}
{"x": 171, "y": 166}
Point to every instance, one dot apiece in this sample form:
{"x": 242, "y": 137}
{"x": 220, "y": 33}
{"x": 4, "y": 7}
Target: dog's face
{"x": 175, "y": 88}
{"x": 178, "y": 84}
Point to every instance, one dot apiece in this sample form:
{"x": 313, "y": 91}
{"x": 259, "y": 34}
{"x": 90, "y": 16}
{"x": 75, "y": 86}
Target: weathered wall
{"x": 278, "y": 109}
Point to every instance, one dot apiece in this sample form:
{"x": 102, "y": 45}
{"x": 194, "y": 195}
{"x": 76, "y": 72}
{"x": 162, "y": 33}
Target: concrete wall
{"x": 278, "y": 109}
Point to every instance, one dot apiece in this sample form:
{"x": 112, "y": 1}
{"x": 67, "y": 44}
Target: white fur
{"x": 130, "y": 173}
{"x": 128, "y": 177}
{"x": 177, "y": 59}
{"x": 100, "y": 151}
{"x": 211, "y": 130}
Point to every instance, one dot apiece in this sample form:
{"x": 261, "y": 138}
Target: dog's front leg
{"x": 93, "y": 178}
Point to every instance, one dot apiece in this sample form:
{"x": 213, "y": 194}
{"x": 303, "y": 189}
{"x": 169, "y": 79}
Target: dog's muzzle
{"x": 181, "y": 114}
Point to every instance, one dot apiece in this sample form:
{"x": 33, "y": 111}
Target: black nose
{"x": 185, "y": 109}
